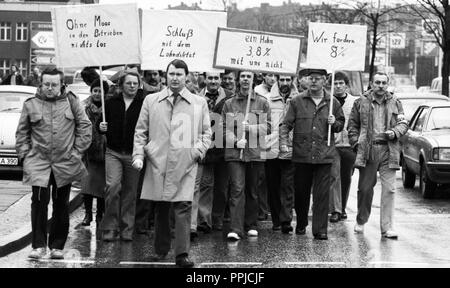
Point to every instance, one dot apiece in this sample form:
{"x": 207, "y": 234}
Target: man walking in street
{"x": 279, "y": 167}
{"x": 244, "y": 154}
{"x": 309, "y": 115}
{"x": 376, "y": 123}
{"x": 121, "y": 113}
{"x": 51, "y": 137}
{"x": 212, "y": 176}
{"x": 173, "y": 133}
{"x": 342, "y": 169}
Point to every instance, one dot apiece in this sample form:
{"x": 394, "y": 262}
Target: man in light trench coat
{"x": 172, "y": 134}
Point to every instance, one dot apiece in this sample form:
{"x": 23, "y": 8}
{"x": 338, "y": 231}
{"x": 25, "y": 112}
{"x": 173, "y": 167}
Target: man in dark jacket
{"x": 121, "y": 113}
{"x": 308, "y": 114}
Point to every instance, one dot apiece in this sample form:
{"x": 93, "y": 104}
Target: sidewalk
{"x": 15, "y": 219}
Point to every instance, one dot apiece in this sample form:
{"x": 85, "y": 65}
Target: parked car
{"x": 424, "y": 89}
{"x": 405, "y": 89}
{"x": 426, "y": 148}
{"x": 11, "y": 102}
{"x": 436, "y": 85}
{"x": 411, "y": 101}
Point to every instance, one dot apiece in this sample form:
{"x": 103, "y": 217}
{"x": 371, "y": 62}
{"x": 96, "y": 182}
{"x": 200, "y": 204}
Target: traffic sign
{"x": 43, "y": 39}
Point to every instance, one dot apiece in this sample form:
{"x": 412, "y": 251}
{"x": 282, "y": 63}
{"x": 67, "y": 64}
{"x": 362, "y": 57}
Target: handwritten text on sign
{"x": 186, "y": 35}
{"x": 336, "y": 46}
{"x": 91, "y": 35}
{"x": 257, "y": 51}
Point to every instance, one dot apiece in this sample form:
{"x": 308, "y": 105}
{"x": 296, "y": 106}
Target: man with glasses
{"x": 212, "y": 179}
{"x": 375, "y": 126}
{"x": 309, "y": 115}
{"x": 121, "y": 113}
{"x": 342, "y": 169}
{"x": 51, "y": 137}
{"x": 243, "y": 154}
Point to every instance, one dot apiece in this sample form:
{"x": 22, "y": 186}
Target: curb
{"x": 22, "y": 237}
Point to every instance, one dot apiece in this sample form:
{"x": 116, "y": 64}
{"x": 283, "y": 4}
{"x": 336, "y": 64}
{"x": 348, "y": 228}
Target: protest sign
{"x": 96, "y": 35}
{"x": 186, "y": 35}
{"x": 336, "y": 46}
{"x": 257, "y": 51}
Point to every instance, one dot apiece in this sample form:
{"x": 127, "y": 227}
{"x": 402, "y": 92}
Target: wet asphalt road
{"x": 423, "y": 227}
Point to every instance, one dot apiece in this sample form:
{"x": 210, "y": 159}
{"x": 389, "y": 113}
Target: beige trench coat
{"x": 52, "y": 136}
{"x": 172, "y": 139}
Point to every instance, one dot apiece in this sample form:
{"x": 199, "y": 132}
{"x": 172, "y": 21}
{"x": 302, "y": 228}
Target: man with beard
{"x": 279, "y": 168}
{"x": 211, "y": 185}
{"x": 152, "y": 81}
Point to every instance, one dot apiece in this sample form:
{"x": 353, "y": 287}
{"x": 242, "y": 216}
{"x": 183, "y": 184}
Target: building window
{"x": 22, "y": 31}
{"x": 5, "y": 31}
{"x": 4, "y": 67}
{"x": 23, "y": 67}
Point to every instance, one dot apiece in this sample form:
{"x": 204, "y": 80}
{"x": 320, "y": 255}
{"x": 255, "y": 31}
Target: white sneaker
{"x": 37, "y": 253}
{"x": 233, "y": 236}
{"x": 390, "y": 234}
{"x": 359, "y": 228}
{"x": 56, "y": 254}
{"x": 252, "y": 233}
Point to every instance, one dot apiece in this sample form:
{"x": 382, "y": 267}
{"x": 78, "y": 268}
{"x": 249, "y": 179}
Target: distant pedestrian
{"x": 309, "y": 115}
{"x": 93, "y": 186}
{"x": 377, "y": 122}
{"x": 14, "y": 77}
{"x": 35, "y": 78}
{"x": 52, "y": 135}
{"x": 172, "y": 135}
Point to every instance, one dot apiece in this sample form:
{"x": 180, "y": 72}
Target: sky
{"x": 208, "y": 4}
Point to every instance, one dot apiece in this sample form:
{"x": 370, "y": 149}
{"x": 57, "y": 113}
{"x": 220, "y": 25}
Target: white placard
{"x": 336, "y": 46}
{"x": 257, "y": 51}
{"x": 96, "y": 35}
{"x": 186, "y": 35}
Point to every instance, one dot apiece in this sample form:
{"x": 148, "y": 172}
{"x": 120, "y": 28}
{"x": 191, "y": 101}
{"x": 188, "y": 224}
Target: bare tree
{"x": 436, "y": 17}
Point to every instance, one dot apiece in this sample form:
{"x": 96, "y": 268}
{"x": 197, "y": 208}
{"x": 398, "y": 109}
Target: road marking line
{"x": 146, "y": 263}
{"x": 66, "y": 261}
{"x": 232, "y": 263}
{"x": 398, "y": 263}
{"x": 314, "y": 263}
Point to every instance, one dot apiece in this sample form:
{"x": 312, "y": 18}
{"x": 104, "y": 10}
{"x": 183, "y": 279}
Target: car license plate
{"x": 9, "y": 161}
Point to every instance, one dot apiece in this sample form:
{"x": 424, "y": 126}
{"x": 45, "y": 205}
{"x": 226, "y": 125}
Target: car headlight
{"x": 442, "y": 154}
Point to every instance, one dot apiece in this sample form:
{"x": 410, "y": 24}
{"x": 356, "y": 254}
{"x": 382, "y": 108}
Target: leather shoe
{"x": 300, "y": 231}
{"x": 286, "y": 228}
{"x": 343, "y": 216}
{"x": 184, "y": 262}
{"x": 193, "y": 235}
{"x": 276, "y": 227}
{"x": 335, "y": 217}
{"x": 321, "y": 236}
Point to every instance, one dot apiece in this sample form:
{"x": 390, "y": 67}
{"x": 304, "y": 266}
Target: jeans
{"x": 367, "y": 180}
{"x": 243, "y": 203}
{"x": 120, "y": 195}
{"x": 59, "y": 228}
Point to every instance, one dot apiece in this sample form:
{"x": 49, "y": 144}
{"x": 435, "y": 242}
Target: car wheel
{"x": 427, "y": 187}
{"x": 408, "y": 178}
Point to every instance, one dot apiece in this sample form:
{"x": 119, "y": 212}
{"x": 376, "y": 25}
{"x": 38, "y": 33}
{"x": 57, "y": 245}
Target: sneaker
{"x": 390, "y": 234}
{"x": 37, "y": 253}
{"x": 359, "y": 228}
{"x": 56, "y": 254}
{"x": 233, "y": 236}
{"x": 252, "y": 233}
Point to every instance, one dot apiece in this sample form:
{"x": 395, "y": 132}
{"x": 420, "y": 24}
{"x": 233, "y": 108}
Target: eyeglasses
{"x": 52, "y": 85}
{"x": 315, "y": 78}
{"x": 378, "y": 82}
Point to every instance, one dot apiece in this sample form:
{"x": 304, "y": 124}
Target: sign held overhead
{"x": 257, "y": 51}
{"x": 96, "y": 35}
{"x": 336, "y": 46}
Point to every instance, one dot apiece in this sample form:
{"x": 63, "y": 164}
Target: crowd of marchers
{"x": 151, "y": 155}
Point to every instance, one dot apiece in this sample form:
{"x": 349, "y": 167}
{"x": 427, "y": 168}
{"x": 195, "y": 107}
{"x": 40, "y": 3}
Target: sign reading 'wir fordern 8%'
{"x": 257, "y": 51}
